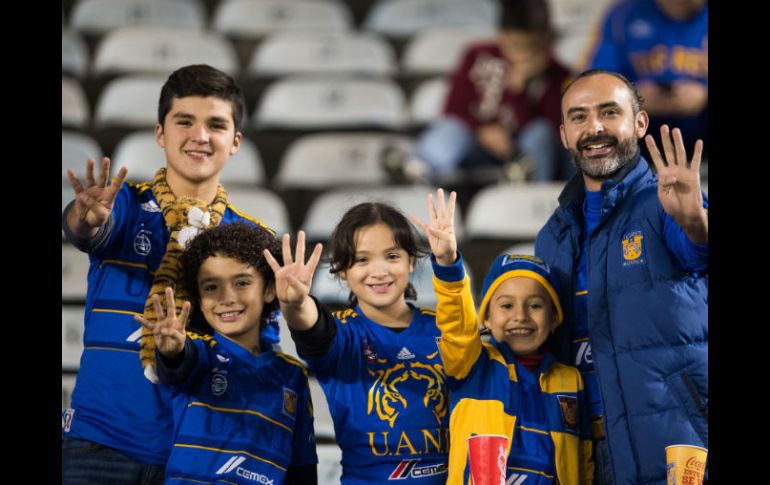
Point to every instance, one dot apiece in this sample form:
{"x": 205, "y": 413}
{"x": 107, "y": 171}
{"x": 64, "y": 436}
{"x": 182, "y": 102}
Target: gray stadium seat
{"x": 286, "y": 53}
{"x": 129, "y": 102}
{"x": 255, "y": 19}
{"x": 439, "y": 51}
{"x": 263, "y": 205}
{"x": 74, "y": 105}
{"x": 511, "y": 211}
{"x": 327, "y": 210}
{"x": 76, "y": 148}
{"x": 74, "y": 273}
{"x": 74, "y": 54}
{"x": 332, "y": 102}
{"x": 427, "y": 103}
{"x": 161, "y": 50}
{"x": 405, "y": 18}
{"x": 72, "y": 318}
{"x": 337, "y": 159}
{"x": 96, "y": 17}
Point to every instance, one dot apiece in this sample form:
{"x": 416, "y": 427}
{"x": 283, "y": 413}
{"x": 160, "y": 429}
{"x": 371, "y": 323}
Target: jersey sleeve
{"x": 460, "y": 343}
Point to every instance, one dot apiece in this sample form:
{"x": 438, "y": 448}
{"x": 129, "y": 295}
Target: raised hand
{"x": 441, "y": 229}
{"x": 169, "y": 328}
{"x": 93, "y": 203}
{"x": 293, "y": 279}
{"x": 679, "y": 188}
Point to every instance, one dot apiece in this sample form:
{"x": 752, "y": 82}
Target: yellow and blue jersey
{"x": 238, "y": 418}
{"x": 388, "y": 399}
{"x": 543, "y": 413}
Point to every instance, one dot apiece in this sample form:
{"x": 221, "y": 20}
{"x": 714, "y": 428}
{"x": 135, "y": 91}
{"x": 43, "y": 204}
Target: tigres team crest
{"x": 633, "y": 250}
{"x": 387, "y": 401}
{"x": 569, "y": 411}
{"x": 289, "y": 403}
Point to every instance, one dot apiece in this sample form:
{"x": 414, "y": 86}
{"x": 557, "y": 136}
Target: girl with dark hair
{"x": 377, "y": 361}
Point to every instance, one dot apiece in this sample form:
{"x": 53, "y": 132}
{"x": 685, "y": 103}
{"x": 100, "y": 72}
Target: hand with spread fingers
{"x": 679, "y": 183}
{"x": 441, "y": 229}
{"x": 169, "y": 330}
{"x": 293, "y": 281}
{"x": 94, "y": 202}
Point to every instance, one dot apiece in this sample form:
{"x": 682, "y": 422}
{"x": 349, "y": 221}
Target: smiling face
{"x": 198, "y": 136}
{"x": 232, "y": 296}
{"x": 600, "y": 128}
{"x": 380, "y": 271}
{"x": 520, "y": 314}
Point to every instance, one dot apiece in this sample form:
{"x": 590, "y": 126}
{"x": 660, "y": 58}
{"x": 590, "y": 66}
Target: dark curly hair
{"x": 342, "y": 244}
{"x": 238, "y": 240}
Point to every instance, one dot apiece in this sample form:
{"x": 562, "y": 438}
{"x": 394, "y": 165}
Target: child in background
{"x": 377, "y": 361}
{"x": 242, "y": 412}
{"x": 511, "y": 386}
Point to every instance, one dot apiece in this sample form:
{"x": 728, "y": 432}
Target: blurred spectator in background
{"x": 503, "y": 104}
{"x": 662, "y": 47}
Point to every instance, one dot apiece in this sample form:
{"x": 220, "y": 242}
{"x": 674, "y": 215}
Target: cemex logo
{"x": 232, "y": 464}
{"x": 409, "y": 468}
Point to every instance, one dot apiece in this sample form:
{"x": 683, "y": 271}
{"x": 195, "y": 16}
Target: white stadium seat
{"x": 337, "y": 159}
{"x": 287, "y": 53}
{"x": 405, "y": 18}
{"x": 511, "y": 211}
{"x": 161, "y": 50}
{"x": 254, "y": 19}
{"x": 327, "y": 210}
{"x": 96, "y": 17}
{"x": 332, "y": 102}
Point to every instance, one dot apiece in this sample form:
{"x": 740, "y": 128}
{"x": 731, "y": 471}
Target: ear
{"x": 269, "y": 294}
{"x": 642, "y": 122}
{"x": 343, "y": 275}
{"x": 411, "y": 264}
{"x": 160, "y": 138}
{"x": 486, "y": 321}
{"x": 563, "y": 137}
{"x": 236, "y": 143}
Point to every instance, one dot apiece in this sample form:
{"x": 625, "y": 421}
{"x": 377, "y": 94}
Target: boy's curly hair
{"x": 238, "y": 240}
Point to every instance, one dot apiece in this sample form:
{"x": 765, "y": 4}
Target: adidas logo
{"x": 404, "y": 354}
{"x": 150, "y": 206}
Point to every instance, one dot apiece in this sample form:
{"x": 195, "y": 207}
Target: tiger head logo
{"x": 385, "y": 398}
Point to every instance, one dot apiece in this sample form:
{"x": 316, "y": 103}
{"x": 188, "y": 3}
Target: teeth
{"x": 229, "y": 314}
{"x": 519, "y": 331}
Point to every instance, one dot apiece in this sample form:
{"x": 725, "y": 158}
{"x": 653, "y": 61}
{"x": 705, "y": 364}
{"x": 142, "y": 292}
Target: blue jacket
{"x": 647, "y": 319}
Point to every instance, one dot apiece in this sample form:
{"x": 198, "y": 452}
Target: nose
{"x": 595, "y": 125}
{"x": 519, "y": 313}
{"x": 379, "y": 267}
{"x": 200, "y": 133}
{"x": 228, "y": 295}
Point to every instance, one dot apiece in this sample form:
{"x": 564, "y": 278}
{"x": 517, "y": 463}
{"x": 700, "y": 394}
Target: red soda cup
{"x": 487, "y": 458}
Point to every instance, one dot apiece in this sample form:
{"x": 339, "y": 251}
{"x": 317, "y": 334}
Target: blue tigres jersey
{"x": 388, "y": 400}
{"x": 113, "y": 403}
{"x": 640, "y": 42}
{"x": 240, "y": 418}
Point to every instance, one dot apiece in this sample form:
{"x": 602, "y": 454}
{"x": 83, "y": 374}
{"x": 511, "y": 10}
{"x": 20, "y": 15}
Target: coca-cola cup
{"x": 487, "y": 458}
{"x": 685, "y": 464}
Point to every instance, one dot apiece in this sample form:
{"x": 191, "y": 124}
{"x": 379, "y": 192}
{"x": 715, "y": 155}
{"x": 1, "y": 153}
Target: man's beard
{"x": 604, "y": 167}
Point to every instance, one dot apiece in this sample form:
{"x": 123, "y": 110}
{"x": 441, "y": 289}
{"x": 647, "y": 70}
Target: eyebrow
{"x": 219, "y": 278}
{"x": 600, "y": 106}
{"x": 188, "y": 116}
